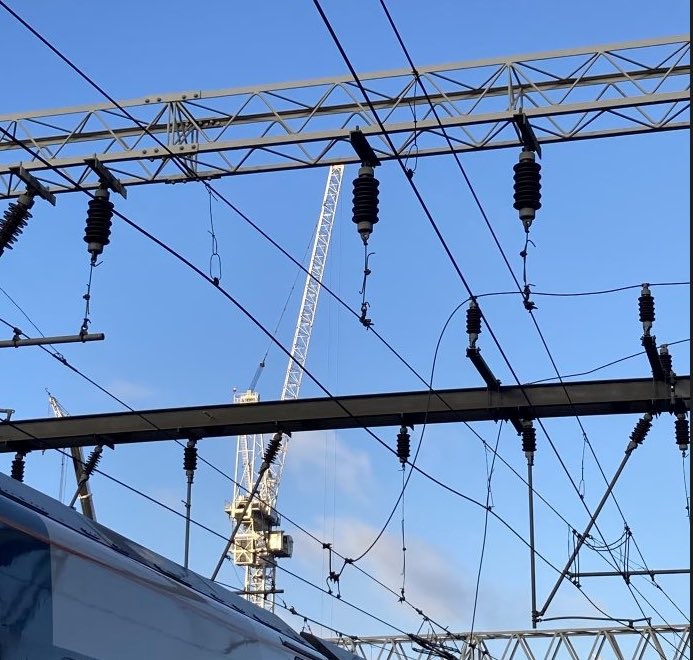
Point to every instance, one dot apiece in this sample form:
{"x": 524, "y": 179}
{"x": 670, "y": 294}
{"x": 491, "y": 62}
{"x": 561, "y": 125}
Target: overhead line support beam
{"x": 604, "y": 397}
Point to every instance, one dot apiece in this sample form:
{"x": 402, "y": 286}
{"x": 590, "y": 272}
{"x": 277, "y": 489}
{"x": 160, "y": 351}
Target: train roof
{"x": 64, "y": 515}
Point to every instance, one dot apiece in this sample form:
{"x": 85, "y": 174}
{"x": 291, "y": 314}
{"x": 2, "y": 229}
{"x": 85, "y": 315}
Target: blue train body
{"x": 71, "y": 589}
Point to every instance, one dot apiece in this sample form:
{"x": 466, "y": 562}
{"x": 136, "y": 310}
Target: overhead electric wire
{"x": 444, "y": 244}
{"x": 438, "y": 482}
{"x": 64, "y": 361}
{"x": 428, "y": 476}
{"x": 21, "y": 311}
{"x": 210, "y": 188}
{"x": 263, "y": 329}
{"x": 483, "y": 536}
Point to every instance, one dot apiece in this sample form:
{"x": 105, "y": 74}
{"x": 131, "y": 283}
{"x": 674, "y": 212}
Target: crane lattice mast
{"x": 85, "y": 498}
{"x": 259, "y": 542}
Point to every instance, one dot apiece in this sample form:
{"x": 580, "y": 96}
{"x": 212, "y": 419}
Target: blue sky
{"x": 615, "y": 213}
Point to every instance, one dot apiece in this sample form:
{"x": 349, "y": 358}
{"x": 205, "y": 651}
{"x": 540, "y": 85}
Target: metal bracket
{"x": 363, "y": 150}
{"x": 105, "y": 176}
{"x": 526, "y": 133}
{"x": 34, "y": 186}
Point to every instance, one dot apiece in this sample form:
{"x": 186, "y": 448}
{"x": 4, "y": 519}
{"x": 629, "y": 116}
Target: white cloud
{"x": 129, "y": 391}
{"x": 326, "y": 455}
{"x": 435, "y": 581}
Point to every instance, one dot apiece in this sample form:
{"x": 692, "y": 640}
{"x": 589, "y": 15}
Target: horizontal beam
{"x": 599, "y": 92}
{"x": 605, "y": 397}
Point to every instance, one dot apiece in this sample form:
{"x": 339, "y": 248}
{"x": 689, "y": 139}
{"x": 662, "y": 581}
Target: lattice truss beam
{"x": 620, "y": 89}
{"x": 639, "y": 643}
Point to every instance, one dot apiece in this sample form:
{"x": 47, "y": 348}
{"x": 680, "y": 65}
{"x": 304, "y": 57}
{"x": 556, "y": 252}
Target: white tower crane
{"x": 259, "y": 542}
{"x": 85, "y": 498}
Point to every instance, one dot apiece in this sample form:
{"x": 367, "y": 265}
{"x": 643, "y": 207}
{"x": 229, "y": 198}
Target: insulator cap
{"x": 527, "y": 187}
{"x": 98, "y": 228}
{"x": 682, "y": 431}
{"x": 17, "y": 468}
{"x": 272, "y": 449}
{"x": 403, "y": 445}
{"x": 190, "y": 459}
{"x": 365, "y": 208}
{"x": 13, "y": 221}
{"x": 641, "y": 429}
{"x": 529, "y": 438}
{"x": 646, "y": 307}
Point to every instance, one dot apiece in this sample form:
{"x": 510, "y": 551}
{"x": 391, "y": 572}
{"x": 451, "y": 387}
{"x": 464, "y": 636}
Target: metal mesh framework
{"x": 639, "y": 643}
{"x": 618, "y": 89}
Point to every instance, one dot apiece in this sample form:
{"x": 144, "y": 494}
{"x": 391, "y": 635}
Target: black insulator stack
{"x": 13, "y": 221}
{"x": 682, "y": 430}
{"x": 365, "y": 207}
{"x": 190, "y": 458}
{"x": 647, "y": 309}
{"x": 666, "y": 360}
{"x": 641, "y": 429}
{"x": 92, "y": 461}
{"x": 272, "y": 449}
{"x": 98, "y": 229}
{"x": 529, "y": 439}
{"x": 403, "y": 445}
{"x": 473, "y": 321}
{"x": 527, "y": 187}
{"x": 17, "y": 468}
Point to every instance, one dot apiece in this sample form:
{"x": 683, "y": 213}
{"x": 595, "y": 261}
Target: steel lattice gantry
{"x": 617, "y": 89}
{"x": 618, "y": 643}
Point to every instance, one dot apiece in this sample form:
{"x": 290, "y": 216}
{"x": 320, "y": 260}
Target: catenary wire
{"x": 430, "y": 477}
{"x": 66, "y": 363}
{"x": 77, "y": 70}
{"x": 203, "y": 275}
{"x": 450, "y": 256}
